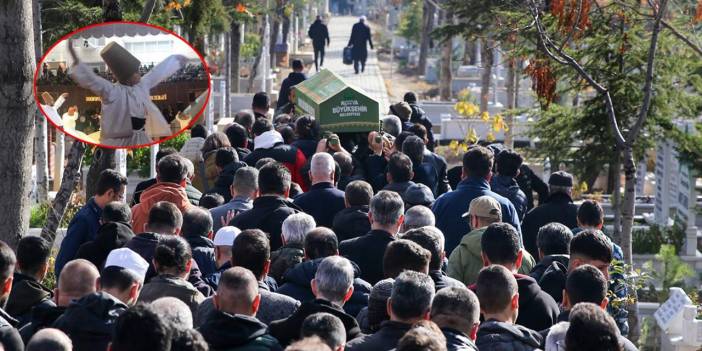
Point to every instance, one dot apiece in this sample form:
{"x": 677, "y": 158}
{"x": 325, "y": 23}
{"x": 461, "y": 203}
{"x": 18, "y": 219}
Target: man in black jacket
{"x": 319, "y": 244}
{"x": 295, "y": 77}
{"x": 81, "y": 279}
{"x": 558, "y": 208}
{"x": 234, "y": 325}
{"x": 27, "y": 290}
{"x": 553, "y": 242}
{"x": 457, "y": 312}
{"x": 114, "y": 233}
{"x": 360, "y": 34}
{"x": 500, "y": 304}
{"x": 352, "y": 221}
{"x": 419, "y": 116}
{"x": 323, "y": 200}
{"x": 410, "y": 302}
{"x": 319, "y": 33}
{"x": 500, "y": 246}
{"x": 9, "y": 336}
{"x": 386, "y": 215}
{"x": 332, "y": 286}
{"x": 272, "y": 206}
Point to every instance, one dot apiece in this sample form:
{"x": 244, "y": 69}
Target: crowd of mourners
{"x": 188, "y": 73}
{"x": 246, "y": 240}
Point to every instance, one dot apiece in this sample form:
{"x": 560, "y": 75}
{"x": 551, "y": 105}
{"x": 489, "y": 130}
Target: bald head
{"x": 50, "y": 339}
{"x": 78, "y": 278}
{"x": 237, "y": 292}
{"x": 322, "y": 168}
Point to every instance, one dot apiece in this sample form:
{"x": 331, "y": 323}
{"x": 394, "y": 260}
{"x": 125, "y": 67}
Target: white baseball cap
{"x": 225, "y": 236}
{"x": 128, "y": 259}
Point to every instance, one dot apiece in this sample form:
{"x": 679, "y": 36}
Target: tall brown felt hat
{"x": 122, "y": 64}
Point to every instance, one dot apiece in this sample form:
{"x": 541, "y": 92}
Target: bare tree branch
{"x": 650, "y": 63}
{"x": 682, "y": 37}
{"x": 568, "y": 60}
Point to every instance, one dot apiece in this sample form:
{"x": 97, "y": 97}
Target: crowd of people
{"x": 246, "y": 240}
{"x": 60, "y": 77}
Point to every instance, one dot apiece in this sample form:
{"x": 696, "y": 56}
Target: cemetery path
{"x": 371, "y": 81}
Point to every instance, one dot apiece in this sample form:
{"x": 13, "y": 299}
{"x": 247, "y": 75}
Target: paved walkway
{"x": 371, "y": 81}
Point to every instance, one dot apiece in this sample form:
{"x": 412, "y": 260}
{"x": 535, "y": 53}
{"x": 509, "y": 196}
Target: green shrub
{"x": 39, "y": 212}
{"x": 651, "y": 241}
{"x": 138, "y": 159}
{"x": 249, "y": 49}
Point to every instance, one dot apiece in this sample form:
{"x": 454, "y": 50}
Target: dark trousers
{"x": 318, "y": 57}
{"x": 360, "y": 59}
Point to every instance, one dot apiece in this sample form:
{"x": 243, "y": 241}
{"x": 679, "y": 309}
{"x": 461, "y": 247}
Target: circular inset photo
{"x": 122, "y": 84}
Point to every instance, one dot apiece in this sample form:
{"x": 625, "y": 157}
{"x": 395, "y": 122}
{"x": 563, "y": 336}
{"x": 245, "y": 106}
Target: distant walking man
{"x": 319, "y": 34}
{"x": 360, "y": 33}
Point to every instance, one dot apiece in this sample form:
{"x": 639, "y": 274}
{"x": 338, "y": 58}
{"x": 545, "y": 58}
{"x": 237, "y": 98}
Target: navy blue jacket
{"x": 82, "y": 228}
{"x": 293, "y": 78}
{"x": 450, "y": 207}
{"x": 508, "y": 187}
{"x": 432, "y": 173}
{"x": 203, "y": 253}
{"x": 323, "y": 201}
{"x": 267, "y": 214}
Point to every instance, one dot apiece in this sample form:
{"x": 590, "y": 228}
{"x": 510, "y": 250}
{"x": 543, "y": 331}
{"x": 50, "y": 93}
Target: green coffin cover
{"x": 337, "y": 106}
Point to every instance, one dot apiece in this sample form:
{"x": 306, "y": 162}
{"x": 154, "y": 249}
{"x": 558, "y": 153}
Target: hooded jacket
{"x": 225, "y": 178}
{"x": 322, "y": 201}
{"x": 224, "y": 331}
{"x": 90, "y": 321}
{"x": 205, "y": 172}
{"x": 26, "y": 293}
{"x": 551, "y": 273}
{"x": 558, "y": 208}
{"x": 351, "y": 222}
{"x": 110, "y": 236}
{"x": 267, "y": 214}
{"x": 297, "y": 286}
{"x": 500, "y": 336}
{"x": 288, "y": 330}
{"x": 41, "y": 317}
{"x": 203, "y": 253}
{"x": 537, "y": 309}
{"x": 171, "y": 192}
